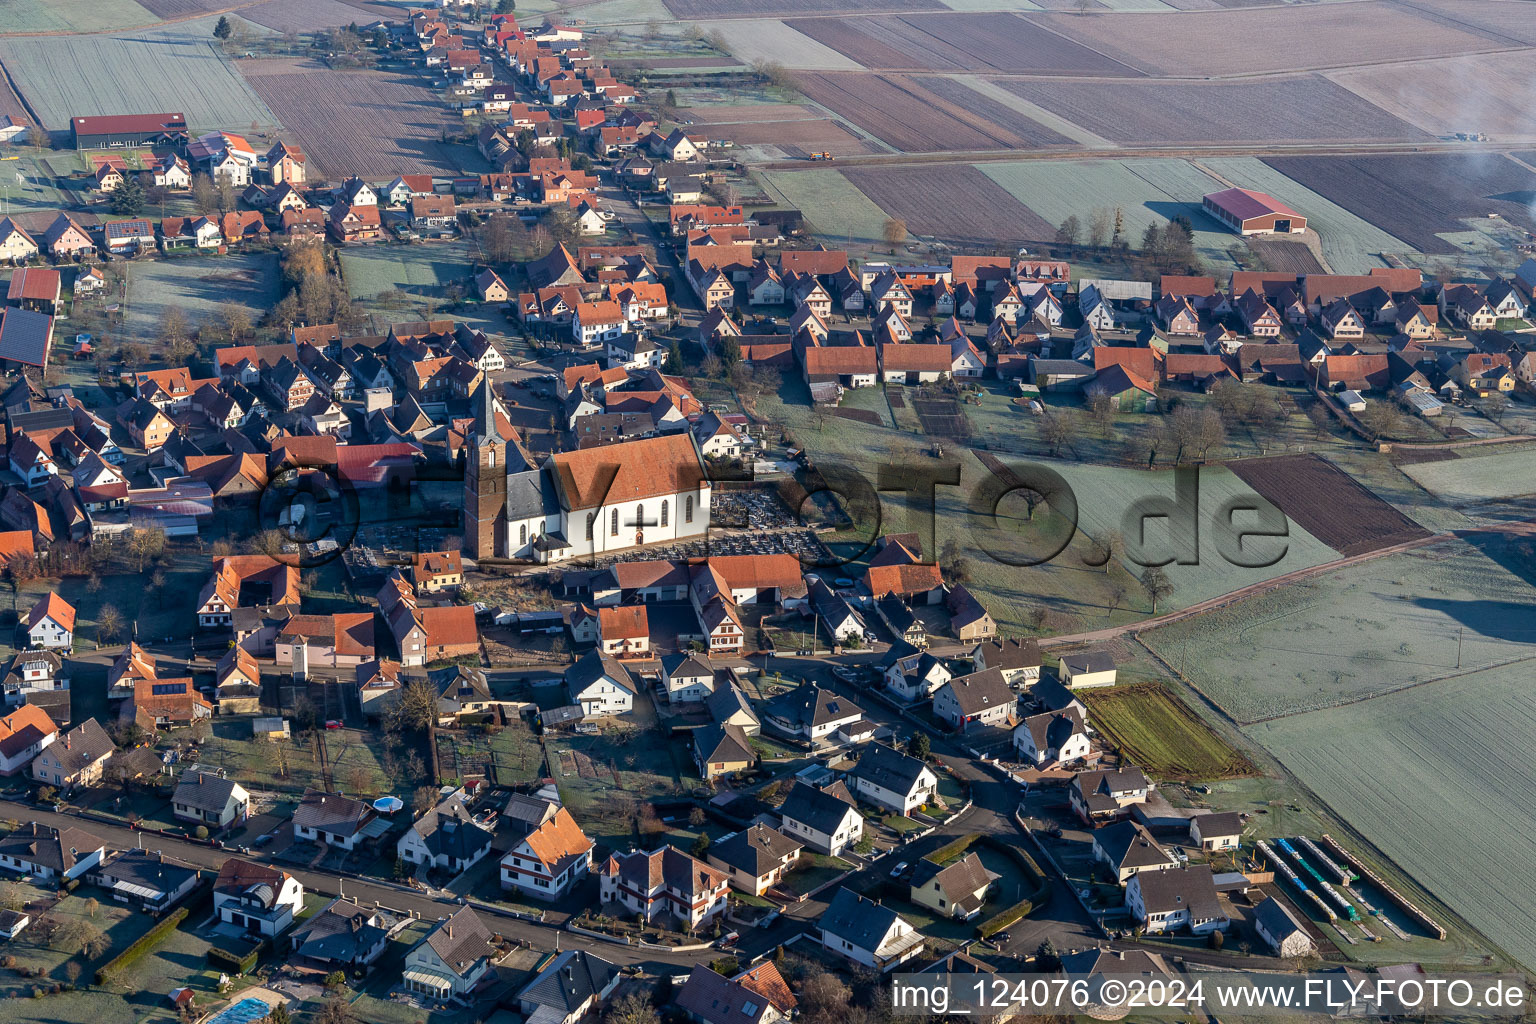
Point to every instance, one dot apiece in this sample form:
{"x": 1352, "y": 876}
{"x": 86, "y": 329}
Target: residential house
{"x": 446, "y": 837}
{"x": 452, "y": 959}
{"x": 51, "y": 624}
{"x": 1018, "y": 660}
{"x": 16, "y": 244}
{"x": 259, "y": 899}
{"x": 1167, "y": 901}
{"x": 568, "y": 987}
{"x": 1052, "y": 738}
{"x": 957, "y": 889}
{"x": 722, "y": 750}
{"x": 600, "y": 685}
{"x": 552, "y": 856}
{"x": 974, "y": 701}
{"x": 333, "y": 820}
{"x": 149, "y": 427}
{"x": 342, "y": 936}
{"x": 210, "y": 799}
{"x": 624, "y": 631}
{"x": 755, "y": 859}
{"x": 48, "y": 853}
{"x": 1126, "y": 848}
{"x": 1087, "y": 670}
{"x": 434, "y": 571}
{"x": 76, "y": 759}
{"x": 664, "y": 884}
{"x": 1281, "y": 930}
{"x": 710, "y": 998}
{"x": 1219, "y": 831}
{"x": 811, "y": 713}
{"x": 147, "y": 879}
{"x": 824, "y": 819}
{"x": 888, "y": 778}
{"x": 867, "y": 932}
{"x": 33, "y": 672}
{"x": 1102, "y": 796}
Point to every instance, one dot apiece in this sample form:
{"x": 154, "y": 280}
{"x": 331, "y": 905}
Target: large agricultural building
{"x": 123, "y": 131}
{"x": 1253, "y": 213}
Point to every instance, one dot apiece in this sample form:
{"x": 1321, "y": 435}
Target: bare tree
{"x": 109, "y": 623}
{"x": 1098, "y": 227}
{"x": 1156, "y": 584}
{"x": 894, "y": 231}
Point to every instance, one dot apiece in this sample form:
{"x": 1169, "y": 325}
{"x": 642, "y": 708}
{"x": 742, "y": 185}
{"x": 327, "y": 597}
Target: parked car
{"x": 333, "y": 723}
{"x": 899, "y": 869}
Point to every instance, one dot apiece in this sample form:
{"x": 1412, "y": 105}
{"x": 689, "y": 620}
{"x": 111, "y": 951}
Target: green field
{"x": 1148, "y": 191}
{"x": 1475, "y": 477}
{"x": 72, "y": 15}
{"x": 837, "y": 211}
{"x": 65, "y": 76}
{"x": 421, "y": 270}
{"x": 199, "y": 285}
{"x": 1155, "y": 729}
{"x": 1403, "y": 620}
{"x": 1439, "y": 779}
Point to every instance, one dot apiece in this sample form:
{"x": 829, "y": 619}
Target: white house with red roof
{"x": 51, "y": 624}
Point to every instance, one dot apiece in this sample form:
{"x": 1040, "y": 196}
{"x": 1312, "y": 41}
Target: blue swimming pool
{"x": 243, "y": 1012}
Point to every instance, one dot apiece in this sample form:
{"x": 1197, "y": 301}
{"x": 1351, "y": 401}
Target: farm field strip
{"x": 835, "y": 208}
{"x": 1295, "y": 37}
{"x": 182, "y": 8}
{"x": 1488, "y": 17}
{"x": 1418, "y": 93}
{"x": 64, "y": 76}
{"x": 956, "y": 203}
{"x": 765, "y": 39}
{"x": 301, "y": 15}
{"x": 365, "y": 122}
{"x": 1418, "y": 196}
{"x": 1287, "y": 257}
{"x": 1156, "y": 730}
{"x": 746, "y": 113}
{"x": 1328, "y": 503}
{"x": 1439, "y": 779}
{"x": 690, "y": 9}
{"x": 992, "y": 41}
{"x": 1474, "y": 477}
{"x": 1061, "y": 126}
{"x": 796, "y": 138}
{"x": 1148, "y": 191}
{"x": 966, "y": 6}
{"x": 903, "y": 114}
{"x": 1359, "y": 631}
{"x": 1348, "y": 240}
{"x": 21, "y": 16}
{"x": 1283, "y": 109}
{"x": 1009, "y": 118}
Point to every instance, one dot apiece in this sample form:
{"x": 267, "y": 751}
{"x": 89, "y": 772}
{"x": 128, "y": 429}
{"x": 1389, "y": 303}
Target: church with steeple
{"x": 485, "y": 480}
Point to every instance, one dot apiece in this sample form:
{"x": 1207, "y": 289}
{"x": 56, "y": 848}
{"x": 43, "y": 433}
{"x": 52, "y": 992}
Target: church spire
{"x": 485, "y": 415}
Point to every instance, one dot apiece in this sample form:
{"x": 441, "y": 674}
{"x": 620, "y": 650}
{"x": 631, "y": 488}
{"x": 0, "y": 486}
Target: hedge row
{"x": 1002, "y": 919}
{"x": 950, "y": 851}
{"x": 233, "y": 963}
{"x": 141, "y": 946}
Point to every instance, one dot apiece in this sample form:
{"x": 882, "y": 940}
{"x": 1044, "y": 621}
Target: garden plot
{"x": 1155, "y": 729}
{"x": 71, "y": 15}
{"x": 177, "y": 67}
{"x": 1330, "y": 504}
{"x": 957, "y": 203}
{"x": 831, "y": 205}
{"x": 1275, "y": 110}
{"x": 1418, "y": 196}
{"x": 1439, "y": 778}
{"x": 1394, "y": 622}
{"x": 1295, "y": 37}
{"x": 199, "y": 286}
{"x": 1485, "y": 93}
{"x": 422, "y": 270}
{"x": 1474, "y": 477}
{"x": 1148, "y": 191}
{"x": 1350, "y": 244}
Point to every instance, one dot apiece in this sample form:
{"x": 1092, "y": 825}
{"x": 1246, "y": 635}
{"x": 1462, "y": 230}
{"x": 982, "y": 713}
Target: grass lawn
{"x": 815, "y": 869}
{"x": 517, "y": 755}
{"x": 354, "y": 755}
{"x": 642, "y": 764}
{"x": 1155, "y": 730}
{"x": 901, "y": 823}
